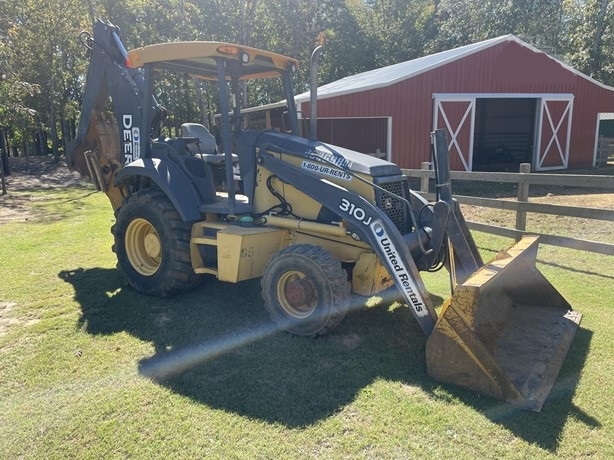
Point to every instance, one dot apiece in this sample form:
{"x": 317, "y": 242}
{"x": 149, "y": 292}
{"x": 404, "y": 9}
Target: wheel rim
{"x": 297, "y": 294}
{"x": 143, "y": 247}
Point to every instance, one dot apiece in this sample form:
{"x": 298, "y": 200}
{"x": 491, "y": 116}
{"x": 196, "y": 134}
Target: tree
{"x": 43, "y": 57}
{"x": 462, "y": 22}
{"x": 398, "y": 30}
{"x": 591, "y": 38}
{"x": 45, "y": 66}
{"x": 16, "y": 94}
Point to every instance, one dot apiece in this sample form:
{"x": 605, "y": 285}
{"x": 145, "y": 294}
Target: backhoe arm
{"x": 106, "y": 142}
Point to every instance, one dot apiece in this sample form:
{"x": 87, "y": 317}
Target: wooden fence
{"x": 525, "y": 179}
{"x": 605, "y": 151}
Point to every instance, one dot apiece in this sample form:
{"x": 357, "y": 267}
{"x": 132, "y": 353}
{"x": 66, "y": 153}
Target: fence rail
{"x": 524, "y": 179}
{"x": 605, "y": 150}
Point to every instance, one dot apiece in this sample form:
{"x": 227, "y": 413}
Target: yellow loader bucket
{"x": 505, "y": 331}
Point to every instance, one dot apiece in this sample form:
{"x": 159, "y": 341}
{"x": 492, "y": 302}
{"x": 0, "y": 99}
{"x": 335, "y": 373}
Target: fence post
{"x": 523, "y": 195}
{"x": 424, "y": 180}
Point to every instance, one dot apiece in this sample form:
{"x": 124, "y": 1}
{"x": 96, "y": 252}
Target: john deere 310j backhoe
{"x": 316, "y": 222}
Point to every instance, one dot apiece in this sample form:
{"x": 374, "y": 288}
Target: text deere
{"x": 131, "y": 140}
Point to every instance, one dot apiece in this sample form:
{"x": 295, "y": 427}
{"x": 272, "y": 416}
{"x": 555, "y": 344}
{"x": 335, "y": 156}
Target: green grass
{"x": 76, "y": 346}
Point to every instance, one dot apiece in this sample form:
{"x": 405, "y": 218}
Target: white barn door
{"x": 553, "y": 133}
{"x": 456, "y": 114}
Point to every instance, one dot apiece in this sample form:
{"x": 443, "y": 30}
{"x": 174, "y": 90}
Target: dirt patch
{"x": 29, "y": 175}
{"x": 586, "y": 200}
{"x": 550, "y": 224}
{"x": 35, "y": 173}
{"x": 7, "y": 320}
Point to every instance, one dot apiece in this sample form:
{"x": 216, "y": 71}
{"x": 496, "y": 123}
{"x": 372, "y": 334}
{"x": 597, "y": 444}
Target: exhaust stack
{"x": 313, "y": 93}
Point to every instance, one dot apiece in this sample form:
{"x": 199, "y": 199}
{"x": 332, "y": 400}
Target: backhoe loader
{"x": 316, "y": 222}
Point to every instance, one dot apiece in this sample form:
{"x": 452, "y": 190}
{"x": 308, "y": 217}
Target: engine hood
{"x": 319, "y": 151}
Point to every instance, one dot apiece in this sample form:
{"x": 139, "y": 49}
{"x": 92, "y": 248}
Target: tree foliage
{"x": 42, "y": 65}
{"x": 591, "y": 38}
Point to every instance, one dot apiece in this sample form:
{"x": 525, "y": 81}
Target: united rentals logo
{"x": 399, "y": 271}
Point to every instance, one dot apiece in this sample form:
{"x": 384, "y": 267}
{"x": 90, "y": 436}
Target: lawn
{"x": 91, "y": 369}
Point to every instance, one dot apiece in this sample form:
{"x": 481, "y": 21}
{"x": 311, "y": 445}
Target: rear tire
{"x": 152, "y": 245}
{"x": 305, "y": 290}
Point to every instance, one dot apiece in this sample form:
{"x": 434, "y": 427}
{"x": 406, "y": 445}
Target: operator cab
{"x": 227, "y": 65}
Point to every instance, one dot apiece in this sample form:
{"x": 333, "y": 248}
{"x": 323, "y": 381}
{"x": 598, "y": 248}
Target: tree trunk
{"x": 65, "y": 134}
{"x": 3, "y": 181}
{"x": 54, "y": 137}
{"x": 24, "y": 149}
{"x": 201, "y": 103}
{"x": 40, "y": 141}
{"x": 6, "y": 169}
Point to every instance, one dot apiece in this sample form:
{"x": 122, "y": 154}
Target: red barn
{"x": 502, "y": 101}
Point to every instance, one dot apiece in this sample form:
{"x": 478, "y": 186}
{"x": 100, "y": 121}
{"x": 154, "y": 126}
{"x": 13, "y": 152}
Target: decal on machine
{"x": 329, "y": 157}
{"x": 323, "y": 169}
{"x": 392, "y": 259}
{"x": 355, "y": 211}
{"x": 131, "y": 140}
{"x": 399, "y": 270}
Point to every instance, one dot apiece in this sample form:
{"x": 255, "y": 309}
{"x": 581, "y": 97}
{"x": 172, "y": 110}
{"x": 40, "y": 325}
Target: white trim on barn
{"x": 389, "y": 140}
{"x": 554, "y": 145}
{"x": 461, "y": 96}
{"x": 600, "y": 116}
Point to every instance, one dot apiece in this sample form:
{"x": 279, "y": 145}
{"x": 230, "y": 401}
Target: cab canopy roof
{"x": 199, "y": 59}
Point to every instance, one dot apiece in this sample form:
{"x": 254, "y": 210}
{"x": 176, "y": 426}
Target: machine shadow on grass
{"x": 217, "y": 346}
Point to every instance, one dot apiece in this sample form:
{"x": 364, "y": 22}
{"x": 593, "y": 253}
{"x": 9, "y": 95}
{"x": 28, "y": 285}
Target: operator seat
{"x": 205, "y": 147}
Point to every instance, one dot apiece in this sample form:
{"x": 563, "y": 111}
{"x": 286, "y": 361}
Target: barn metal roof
{"x": 386, "y": 76}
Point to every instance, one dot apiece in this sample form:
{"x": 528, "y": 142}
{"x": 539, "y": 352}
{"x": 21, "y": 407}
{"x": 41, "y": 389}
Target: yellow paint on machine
{"x": 243, "y": 252}
{"x": 370, "y": 276}
{"x": 505, "y": 331}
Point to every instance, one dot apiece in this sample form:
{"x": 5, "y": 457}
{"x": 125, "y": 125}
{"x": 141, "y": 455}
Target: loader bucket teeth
{"x": 505, "y": 332}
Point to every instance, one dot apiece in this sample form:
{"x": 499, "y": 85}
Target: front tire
{"x": 152, "y": 245}
{"x": 305, "y": 290}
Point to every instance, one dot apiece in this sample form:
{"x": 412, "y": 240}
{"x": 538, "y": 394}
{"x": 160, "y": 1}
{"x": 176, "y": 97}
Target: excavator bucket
{"x": 505, "y": 331}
